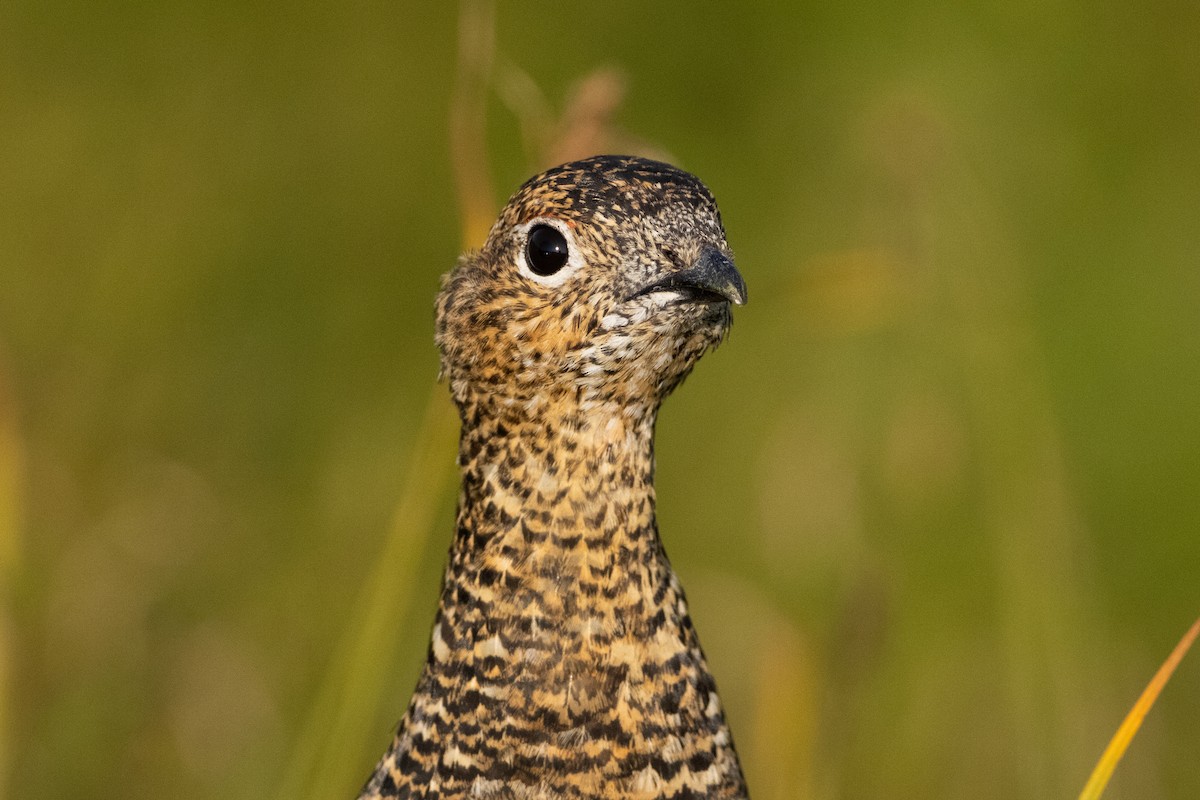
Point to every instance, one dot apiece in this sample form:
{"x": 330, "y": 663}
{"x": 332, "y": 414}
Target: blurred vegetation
{"x": 935, "y": 501}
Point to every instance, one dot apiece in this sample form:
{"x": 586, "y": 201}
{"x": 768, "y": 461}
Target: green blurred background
{"x": 935, "y": 501}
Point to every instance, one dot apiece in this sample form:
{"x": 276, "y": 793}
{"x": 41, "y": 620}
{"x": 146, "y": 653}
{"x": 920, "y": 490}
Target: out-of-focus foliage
{"x": 935, "y": 502}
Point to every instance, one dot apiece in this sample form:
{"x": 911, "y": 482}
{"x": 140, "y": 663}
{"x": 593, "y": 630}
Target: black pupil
{"x": 546, "y": 251}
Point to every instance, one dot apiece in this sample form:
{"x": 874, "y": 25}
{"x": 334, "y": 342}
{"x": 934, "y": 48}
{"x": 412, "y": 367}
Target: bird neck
{"x": 562, "y": 654}
{"x": 570, "y": 486}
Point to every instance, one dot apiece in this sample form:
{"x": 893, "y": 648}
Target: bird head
{"x": 601, "y": 284}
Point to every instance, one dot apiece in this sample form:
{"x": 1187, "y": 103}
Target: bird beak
{"x": 711, "y": 278}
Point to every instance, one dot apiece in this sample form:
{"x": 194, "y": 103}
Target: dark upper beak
{"x": 711, "y": 278}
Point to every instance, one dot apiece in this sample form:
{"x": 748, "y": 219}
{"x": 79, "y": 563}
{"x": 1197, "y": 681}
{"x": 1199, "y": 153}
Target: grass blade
{"x": 326, "y": 759}
{"x": 1124, "y": 735}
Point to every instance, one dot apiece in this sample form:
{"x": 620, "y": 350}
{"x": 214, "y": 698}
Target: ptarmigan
{"x": 563, "y": 662}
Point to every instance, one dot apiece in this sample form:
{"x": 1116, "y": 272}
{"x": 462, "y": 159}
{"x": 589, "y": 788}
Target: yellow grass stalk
{"x": 1116, "y": 748}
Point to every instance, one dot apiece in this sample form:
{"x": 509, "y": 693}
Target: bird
{"x": 563, "y": 661}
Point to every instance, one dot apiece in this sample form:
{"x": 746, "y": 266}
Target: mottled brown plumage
{"x": 563, "y": 661}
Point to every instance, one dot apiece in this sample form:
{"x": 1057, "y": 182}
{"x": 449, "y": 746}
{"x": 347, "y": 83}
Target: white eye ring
{"x": 574, "y": 260}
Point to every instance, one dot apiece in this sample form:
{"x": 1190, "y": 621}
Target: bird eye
{"x": 546, "y": 250}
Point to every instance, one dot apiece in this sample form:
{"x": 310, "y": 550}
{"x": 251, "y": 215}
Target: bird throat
{"x": 557, "y": 561}
{"x": 563, "y": 502}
